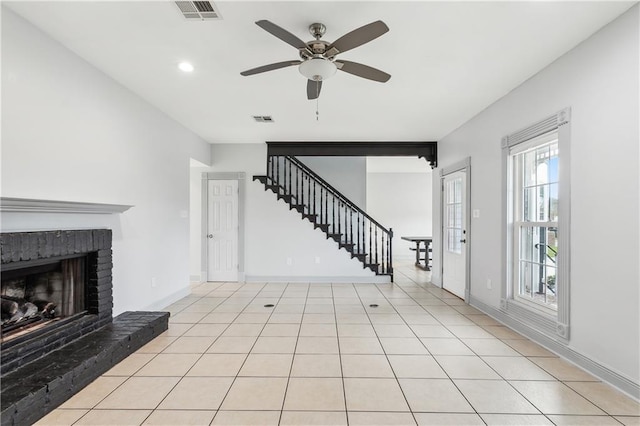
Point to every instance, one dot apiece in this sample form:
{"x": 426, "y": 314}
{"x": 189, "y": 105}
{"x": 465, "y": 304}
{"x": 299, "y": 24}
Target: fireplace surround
{"x": 43, "y": 366}
{"x": 29, "y": 248}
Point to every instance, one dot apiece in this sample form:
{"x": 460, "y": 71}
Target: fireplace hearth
{"x": 58, "y": 333}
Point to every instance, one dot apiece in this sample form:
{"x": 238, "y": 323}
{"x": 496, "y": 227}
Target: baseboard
{"x": 604, "y": 373}
{"x": 383, "y": 279}
{"x": 195, "y": 278}
{"x": 168, "y": 300}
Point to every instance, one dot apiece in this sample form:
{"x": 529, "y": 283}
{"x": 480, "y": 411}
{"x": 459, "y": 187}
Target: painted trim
{"x": 195, "y": 278}
{"x": 381, "y": 279}
{"x": 241, "y": 177}
{"x": 559, "y": 347}
{"x": 31, "y": 205}
{"x": 557, "y": 327}
{"x": 456, "y": 167}
{"x": 204, "y": 203}
{"x": 563, "y": 271}
{"x": 462, "y": 165}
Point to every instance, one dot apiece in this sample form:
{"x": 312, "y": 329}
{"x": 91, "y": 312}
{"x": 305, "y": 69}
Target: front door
{"x": 454, "y": 233}
{"x": 222, "y": 230}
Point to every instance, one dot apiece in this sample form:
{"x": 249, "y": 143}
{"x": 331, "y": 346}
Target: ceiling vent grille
{"x": 263, "y": 118}
{"x": 199, "y": 10}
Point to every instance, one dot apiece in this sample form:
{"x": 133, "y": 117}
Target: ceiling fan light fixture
{"x": 317, "y": 69}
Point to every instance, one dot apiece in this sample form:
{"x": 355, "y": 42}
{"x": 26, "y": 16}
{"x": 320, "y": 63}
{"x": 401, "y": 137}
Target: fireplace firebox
{"x": 35, "y": 294}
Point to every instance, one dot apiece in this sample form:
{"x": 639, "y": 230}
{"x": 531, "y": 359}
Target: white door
{"x": 222, "y": 230}
{"x": 454, "y": 234}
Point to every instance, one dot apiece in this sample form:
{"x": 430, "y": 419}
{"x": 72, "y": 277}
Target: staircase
{"x": 330, "y": 211}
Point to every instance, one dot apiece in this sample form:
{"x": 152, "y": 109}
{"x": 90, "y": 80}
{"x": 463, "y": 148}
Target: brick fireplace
{"x": 25, "y": 251}
{"x": 49, "y": 355}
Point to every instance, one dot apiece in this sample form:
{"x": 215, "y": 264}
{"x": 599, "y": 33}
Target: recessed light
{"x": 185, "y": 66}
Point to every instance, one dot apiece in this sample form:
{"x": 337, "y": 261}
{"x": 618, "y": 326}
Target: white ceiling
{"x": 448, "y": 61}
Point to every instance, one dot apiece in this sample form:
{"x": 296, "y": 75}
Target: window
{"x": 536, "y": 233}
{"x": 535, "y": 214}
{"x": 453, "y": 211}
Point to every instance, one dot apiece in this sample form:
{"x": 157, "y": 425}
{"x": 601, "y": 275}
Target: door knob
{"x": 463, "y": 241}
{"x": 210, "y": 236}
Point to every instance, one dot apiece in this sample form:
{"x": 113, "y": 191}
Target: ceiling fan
{"x": 317, "y": 58}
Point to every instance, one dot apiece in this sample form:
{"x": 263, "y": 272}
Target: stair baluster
{"x": 376, "y": 242}
{"x": 333, "y": 215}
{"x": 351, "y": 227}
{"x": 314, "y": 198}
{"x": 309, "y": 194}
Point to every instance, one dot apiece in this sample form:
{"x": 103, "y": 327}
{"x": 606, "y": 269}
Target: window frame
{"x": 520, "y": 221}
{"x": 551, "y": 322}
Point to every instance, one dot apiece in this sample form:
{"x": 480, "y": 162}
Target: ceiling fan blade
{"x": 270, "y": 67}
{"x": 282, "y": 34}
{"x": 359, "y": 36}
{"x": 363, "y": 71}
{"x": 313, "y": 89}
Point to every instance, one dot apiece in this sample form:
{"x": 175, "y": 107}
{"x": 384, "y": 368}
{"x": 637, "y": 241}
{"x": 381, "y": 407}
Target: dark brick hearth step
{"x": 34, "y": 390}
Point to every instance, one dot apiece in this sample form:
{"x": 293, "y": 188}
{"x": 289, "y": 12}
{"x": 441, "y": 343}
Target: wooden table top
{"x": 416, "y": 239}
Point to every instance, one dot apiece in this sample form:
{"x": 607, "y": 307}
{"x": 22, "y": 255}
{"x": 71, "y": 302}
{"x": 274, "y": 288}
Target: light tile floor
{"x": 324, "y": 356}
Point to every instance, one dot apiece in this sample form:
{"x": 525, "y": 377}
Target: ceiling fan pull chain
{"x": 317, "y": 112}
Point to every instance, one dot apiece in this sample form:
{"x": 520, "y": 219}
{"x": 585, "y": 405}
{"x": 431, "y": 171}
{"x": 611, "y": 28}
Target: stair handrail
{"x": 335, "y": 192}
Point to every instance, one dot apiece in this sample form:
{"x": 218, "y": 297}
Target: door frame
{"x": 463, "y": 165}
{"x": 241, "y": 178}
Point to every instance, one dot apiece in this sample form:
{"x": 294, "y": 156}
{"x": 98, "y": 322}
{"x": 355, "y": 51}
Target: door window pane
{"x": 453, "y": 215}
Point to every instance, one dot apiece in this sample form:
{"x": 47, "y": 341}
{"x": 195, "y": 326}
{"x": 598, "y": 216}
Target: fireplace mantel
{"x": 30, "y": 205}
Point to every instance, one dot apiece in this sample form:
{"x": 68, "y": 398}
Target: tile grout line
{"x": 250, "y": 350}
{"x": 205, "y": 350}
{"x": 503, "y": 378}
{"x": 293, "y": 356}
{"x": 384, "y": 351}
{"x": 434, "y": 358}
{"x": 131, "y": 376}
{"x": 419, "y": 294}
{"x": 344, "y": 388}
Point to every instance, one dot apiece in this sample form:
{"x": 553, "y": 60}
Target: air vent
{"x": 199, "y": 10}
{"x": 263, "y": 118}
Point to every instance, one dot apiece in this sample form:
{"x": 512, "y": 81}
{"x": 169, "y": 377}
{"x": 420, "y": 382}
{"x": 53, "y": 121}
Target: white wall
{"x": 195, "y": 225}
{"x": 401, "y": 201}
{"x": 71, "y": 133}
{"x": 346, "y": 174}
{"x": 599, "y": 81}
{"x": 275, "y": 233}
